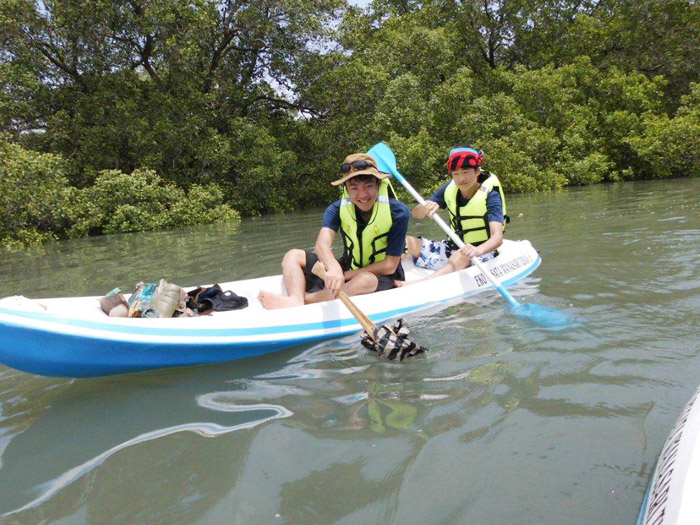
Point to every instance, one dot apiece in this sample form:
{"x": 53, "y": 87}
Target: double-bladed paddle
{"x": 386, "y": 162}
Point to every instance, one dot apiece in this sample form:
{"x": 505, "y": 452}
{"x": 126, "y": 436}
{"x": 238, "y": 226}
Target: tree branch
{"x": 54, "y": 56}
{"x": 289, "y": 105}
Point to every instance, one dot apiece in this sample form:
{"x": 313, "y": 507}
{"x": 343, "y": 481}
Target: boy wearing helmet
{"x": 373, "y": 225}
{"x": 477, "y": 210}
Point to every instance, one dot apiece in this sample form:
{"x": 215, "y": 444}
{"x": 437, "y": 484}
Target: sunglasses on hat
{"x": 356, "y": 166}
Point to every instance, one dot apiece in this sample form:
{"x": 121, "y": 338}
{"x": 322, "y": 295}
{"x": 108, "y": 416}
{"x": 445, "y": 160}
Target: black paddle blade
{"x": 392, "y": 343}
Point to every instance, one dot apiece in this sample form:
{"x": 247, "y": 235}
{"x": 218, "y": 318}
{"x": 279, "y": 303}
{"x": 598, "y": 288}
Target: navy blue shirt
{"x": 494, "y": 204}
{"x": 400, "y": 215}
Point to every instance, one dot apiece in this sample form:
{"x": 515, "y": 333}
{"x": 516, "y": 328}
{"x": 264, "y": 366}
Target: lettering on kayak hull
{"x": 503, "y": 269}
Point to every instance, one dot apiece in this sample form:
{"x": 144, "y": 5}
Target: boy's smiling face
{"x": 363, "y": 193}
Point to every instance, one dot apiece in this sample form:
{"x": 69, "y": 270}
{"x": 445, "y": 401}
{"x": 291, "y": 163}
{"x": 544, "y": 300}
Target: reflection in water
{"x": 203, "y": 429}
{"x": 502, "y": 422}
{"x": 84, "y": 427}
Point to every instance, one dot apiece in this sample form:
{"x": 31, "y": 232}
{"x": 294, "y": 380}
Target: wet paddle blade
{"x": 392, "y": 343}
{"x": 543, "y": 316}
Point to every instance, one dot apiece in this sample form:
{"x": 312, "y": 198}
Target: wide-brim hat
{"x": 369, "y": 167}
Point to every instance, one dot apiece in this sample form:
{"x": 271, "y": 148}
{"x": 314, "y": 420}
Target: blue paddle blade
{"x": 543, "y": 316}
{"x": 386, "y": 160}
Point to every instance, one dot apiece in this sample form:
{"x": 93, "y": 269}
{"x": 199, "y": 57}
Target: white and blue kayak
{"x": 672, "y": 495}
{"x": 72, "y": 337}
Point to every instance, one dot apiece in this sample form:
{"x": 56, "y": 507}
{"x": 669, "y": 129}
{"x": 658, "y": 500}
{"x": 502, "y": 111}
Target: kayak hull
{"x": 73, "y": 356}
{"x": 72, "y": 337}
{"x": 672, "y": 494}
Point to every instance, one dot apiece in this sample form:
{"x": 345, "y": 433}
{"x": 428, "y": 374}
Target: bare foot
{"x": 272, "y": 301}
{"x": 399, "y": 284}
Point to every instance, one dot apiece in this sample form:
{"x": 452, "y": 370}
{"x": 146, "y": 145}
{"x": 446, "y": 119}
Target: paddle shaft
{"x": 494, "y": 282}
{"x": 365, "y": 321}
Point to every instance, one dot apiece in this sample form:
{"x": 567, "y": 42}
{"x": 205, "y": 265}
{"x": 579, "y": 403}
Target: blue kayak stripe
{"x": 228, "y": 332}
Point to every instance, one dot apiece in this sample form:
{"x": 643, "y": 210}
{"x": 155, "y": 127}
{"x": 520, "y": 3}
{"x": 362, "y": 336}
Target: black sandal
{"x": 228, "y": 301}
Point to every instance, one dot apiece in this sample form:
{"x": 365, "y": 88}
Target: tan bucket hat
{"x": 358, "y": 164}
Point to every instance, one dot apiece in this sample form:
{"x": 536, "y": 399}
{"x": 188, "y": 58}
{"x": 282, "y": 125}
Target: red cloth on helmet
{"x": 464, "y": 160}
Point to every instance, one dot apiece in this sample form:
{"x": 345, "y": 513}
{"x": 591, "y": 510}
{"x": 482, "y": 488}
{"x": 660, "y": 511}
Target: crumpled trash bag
{"x": 392, "y": 343}
{"x": 159, "y": 299}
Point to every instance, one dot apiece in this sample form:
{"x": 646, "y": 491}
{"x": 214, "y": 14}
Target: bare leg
{"x": 456, "y": 262}
{"x": 293, "y": 265}
{"x": 362, "y": 283}
{"x": 413, "y": 245}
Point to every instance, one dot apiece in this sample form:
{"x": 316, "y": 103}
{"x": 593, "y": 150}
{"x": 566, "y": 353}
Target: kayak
{"x": 73, "y": 337}
{"x": 671, "y": 498}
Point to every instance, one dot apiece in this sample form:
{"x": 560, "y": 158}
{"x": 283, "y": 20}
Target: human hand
{"x": 430, "y": 208}
{"x": 334, "y": 280}
{"x": 469, "y": 251}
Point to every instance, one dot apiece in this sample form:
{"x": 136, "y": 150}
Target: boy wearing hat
{"x": 373, "y": 225}
{"x": 477, "y": 209}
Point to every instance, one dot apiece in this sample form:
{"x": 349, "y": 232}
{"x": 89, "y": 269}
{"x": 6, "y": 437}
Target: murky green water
{"x": 503, "y": 423}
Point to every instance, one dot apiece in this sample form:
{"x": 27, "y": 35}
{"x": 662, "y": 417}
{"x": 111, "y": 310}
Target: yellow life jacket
{"x": 372, "y": 246}
{"x": 470, "y": 222}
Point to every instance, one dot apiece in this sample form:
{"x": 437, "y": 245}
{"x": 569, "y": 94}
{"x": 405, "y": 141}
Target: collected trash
{"x": 164, "y": 299}
{"x": 156, "y": 299}
{"x": 392, "y": 343}
{"x": 114, "y": 304}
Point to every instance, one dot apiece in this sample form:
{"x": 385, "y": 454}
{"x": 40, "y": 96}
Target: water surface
{"x": 503, "y": 422}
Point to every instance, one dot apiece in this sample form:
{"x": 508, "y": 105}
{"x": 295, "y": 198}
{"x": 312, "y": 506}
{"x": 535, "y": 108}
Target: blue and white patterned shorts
{"x": 435, "y": 254}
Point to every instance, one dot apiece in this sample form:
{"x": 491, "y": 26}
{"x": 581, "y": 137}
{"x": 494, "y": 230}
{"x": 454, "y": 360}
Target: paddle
{"x": 387, "y": 342}
{"x": 386, "y": 162}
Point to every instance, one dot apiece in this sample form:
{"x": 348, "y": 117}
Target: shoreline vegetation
{"x": 136, "y": 116}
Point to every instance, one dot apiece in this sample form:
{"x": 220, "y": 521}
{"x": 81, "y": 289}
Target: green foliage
{"x": 118, "y": 202}
{"x": 448, "y": 103}
{"x": 203, "y": 204}
{"x": 402, "y": 108}
{"x": 37, "y": 204}
{"x": 34, "y": 195}
{"x": 670, "y": 147}
{"x": 408, "y": 44}
{"x": 135, "y": 116}
{"x": 420, "y": 158}
{"x": 524, "y": 160}
{"x": 256, "y": 171}
{"x": 141, "y": 201}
